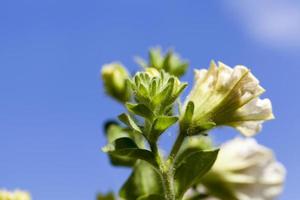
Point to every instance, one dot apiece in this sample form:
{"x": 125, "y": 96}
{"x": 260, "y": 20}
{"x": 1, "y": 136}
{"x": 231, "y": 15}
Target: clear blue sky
{"x": 52, "y": 103}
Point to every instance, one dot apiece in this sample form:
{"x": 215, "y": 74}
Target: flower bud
{"x": 170, "y": 62}
{"x": 156, "y": 90}
{"x": 114, "y": 77}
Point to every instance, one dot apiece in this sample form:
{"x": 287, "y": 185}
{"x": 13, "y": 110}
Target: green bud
{"x": 156, "y": 90}
{"x": 115, "y": 77}
{"x": 170, "y": 62}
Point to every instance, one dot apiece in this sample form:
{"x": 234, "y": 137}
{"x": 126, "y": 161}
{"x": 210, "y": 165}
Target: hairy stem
{"x": 176, "y": 146}
{"x": 166, "y": 173}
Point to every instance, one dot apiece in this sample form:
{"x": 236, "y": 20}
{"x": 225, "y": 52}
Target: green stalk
{"x": 166, "y": 173}
{"x": 176, "y": 147}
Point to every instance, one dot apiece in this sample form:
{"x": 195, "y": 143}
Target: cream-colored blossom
{"x": 229, "y": 96}
{"x": 14, "y": 195}
{"x": 249, "y": 169}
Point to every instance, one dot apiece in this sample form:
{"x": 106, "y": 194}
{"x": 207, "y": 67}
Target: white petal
{"x": 256, "y": 109}
{"x": 261, "y": 179}
{"x": 248, "y": 128}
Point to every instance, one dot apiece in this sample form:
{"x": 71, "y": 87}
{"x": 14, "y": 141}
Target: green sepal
{"x": 160, "y": 125}
{"x": 144, "y": 180}
{"x": 187, "y": 115}
{"x": 191, "y": 168}
{"x": 179, "y": 91}
{"x": 200, "y": 129}
{"x": 155, "y": 58}
{"x": 126, "y": 119}
{"x": 127, "y": 148}
{"x": 141, "y": 110}
{"x": 174, "y": 65}
{"x": 164, "y": 93}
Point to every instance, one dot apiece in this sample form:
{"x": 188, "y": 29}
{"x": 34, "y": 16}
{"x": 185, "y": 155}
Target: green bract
{"x": 156, "y": 90}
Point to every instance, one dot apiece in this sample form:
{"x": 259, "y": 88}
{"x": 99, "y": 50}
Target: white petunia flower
{"x": 250, "y": 170}
{"x": 228, "y": 96}
{"x": 15, "y": 195}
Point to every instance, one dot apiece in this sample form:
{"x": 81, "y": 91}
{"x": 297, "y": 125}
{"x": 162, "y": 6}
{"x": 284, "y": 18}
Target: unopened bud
{"x": 114, "y": 77}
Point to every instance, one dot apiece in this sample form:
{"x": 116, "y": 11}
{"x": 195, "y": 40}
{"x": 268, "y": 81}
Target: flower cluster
{"x": 195, "y": 168}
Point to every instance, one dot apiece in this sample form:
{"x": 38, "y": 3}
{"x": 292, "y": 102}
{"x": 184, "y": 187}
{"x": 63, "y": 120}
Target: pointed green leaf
{"x": 127, "y": 148}
{"x": 155, "y": 58}
{"x": 165, "y": 92}
{"x": 126, "y": 119}
{"x": 140, "y": 109}
{"x": 161, "y": 124}
{"x": 114, "y": 131}
{"x": 181, "y": 88}
{"x": 144, "y": 180}
{"x": 192, "y": 168}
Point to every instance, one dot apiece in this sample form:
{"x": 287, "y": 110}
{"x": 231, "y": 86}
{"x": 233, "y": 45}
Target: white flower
{"x": 229, "y": 96}
{"x": 249, "y": 169}
{"x": 15, "y": 195}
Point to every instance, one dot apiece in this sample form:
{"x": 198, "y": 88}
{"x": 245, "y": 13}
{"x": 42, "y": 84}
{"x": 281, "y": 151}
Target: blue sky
{"x": 52, "y": 103}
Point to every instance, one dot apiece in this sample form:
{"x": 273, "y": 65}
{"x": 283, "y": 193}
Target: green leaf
{"x": 152, "y": 197}
{"x": 109, "y": 196}
{"x": 144, "y": 180}
{"x": 113, "y": 132}
{"x": 126, "y": 119}
{"x": 161, "y": 124}
{"x": 141, "y": 110}
{"x": 192, "y": 168}
{"x": 127, "y": 148}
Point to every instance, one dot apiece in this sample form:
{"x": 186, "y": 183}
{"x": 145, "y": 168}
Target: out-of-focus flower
{"x": 228, "y": 96}
{"x": 247, "y": 170}
{"x": 170, "y": 62}
{"x": 114, "y": 76}
{"x": 15, "y": 195}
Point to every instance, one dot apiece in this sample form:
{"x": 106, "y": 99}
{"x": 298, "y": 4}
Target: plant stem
{"x": 166, "y": 173}
{"x": 176, "y": 146}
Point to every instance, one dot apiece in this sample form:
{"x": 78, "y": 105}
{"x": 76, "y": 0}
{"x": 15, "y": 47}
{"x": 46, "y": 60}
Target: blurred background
{"x": 52, "y": 104}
